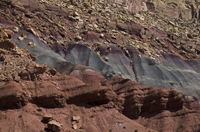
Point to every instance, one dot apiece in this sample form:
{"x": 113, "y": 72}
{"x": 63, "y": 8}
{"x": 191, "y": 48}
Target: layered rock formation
{"x": 96, "y": 66}
{"x": 28, "y": 88}
{"x": 35, "y": 87}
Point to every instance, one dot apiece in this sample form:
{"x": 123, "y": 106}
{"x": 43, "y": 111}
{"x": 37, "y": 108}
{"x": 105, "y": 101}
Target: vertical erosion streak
{"x": 134, "y": 70}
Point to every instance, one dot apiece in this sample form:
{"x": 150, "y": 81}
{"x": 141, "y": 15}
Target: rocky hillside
{"x": 98, "y": 66}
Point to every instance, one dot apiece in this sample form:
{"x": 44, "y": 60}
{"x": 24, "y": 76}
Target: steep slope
{"x": 83, "y": 101}
{"x": 133, "y": 34}
{"x": 29, "y": 91}
{"x": 90, "y": 42}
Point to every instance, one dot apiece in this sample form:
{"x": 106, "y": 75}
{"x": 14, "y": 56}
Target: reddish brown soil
{"x": 28, "y": 91}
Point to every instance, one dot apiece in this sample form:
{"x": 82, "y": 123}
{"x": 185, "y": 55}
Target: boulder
{"x": 9, "y": 32}
{"x": 54, "y": 126}
{"x": 47, "y": 118}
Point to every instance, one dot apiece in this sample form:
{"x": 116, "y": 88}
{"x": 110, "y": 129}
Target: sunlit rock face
{"x": 178, "y": 8}
{"x": 133, "y": 5}
{"x": 185, "y": 9}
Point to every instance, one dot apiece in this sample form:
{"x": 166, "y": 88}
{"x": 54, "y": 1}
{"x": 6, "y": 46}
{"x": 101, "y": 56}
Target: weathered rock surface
{"x": 54, "y": 126}
{"x": 142, "y": 104}
{"x": 168, "y": 72}
{"x": 47, "y": 118}
{"x": 177, "y": 8}
{"x": 42, "y": 52}
{"x": 82, "y": 55}
{"x": 88, "y": 41}
{"x": 155, "y": 71}
{"x": 37, "y": 89}
{"x": 139, "y": 98}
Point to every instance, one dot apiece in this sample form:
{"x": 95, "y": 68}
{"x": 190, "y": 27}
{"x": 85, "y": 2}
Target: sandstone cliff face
{"x": 140, "y": 99}
{"x": 183, "y": 9}
{"x": 180, "y": 8}
{"x": 132, "y": 5}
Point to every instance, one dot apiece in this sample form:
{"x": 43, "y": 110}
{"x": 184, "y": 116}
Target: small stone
{"x": 52, "y": 71}
{"x": 98, "y": 44}
{"x": 95, "y": 26}
{"x": 24, "y": 36}
{"x": 78, "y": 37}
{"x": 85, "y": 31}
{"x": 80, "y": 22}
{"x": 124, "y": 33}
{"x": 139, "y": 16}
{"x": 105, "y": 58}
{"x": 73, "y": 122}
{"x": 102, "y": 35}
{"x": 71, "y": 18}
{"x": 31, "y": 44}
{"x": 98, "y": 53}
{"x": 24, "y": 74}
{"x": 3, "y": 34}
{"x": 189, "y": 36}
{"x": 76, "y": 118}
{"x": 114, "y": 31}
{"x": 93, "y": 7}
{"x": 54, "y": 126}
{"x": 17, "y": 78}
{"x": 130, "y": 18}
{"x": 9, "y": 32}
{"x": 31, "y": 30}
{"x": 16, "y": 29}
{"x": 46, "y": 118}
{"x": 76, "y": 14}
{"x": 20, "y": 38}
{"x": 75, "y": 126}
{"x": 70, "y": 7}
{"x": 172, "y": 23}
{"x": 114, "y": 37}
{"x": 142, "y": 18}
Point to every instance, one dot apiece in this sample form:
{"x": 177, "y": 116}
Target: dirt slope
{"x": 144, "y": 48}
